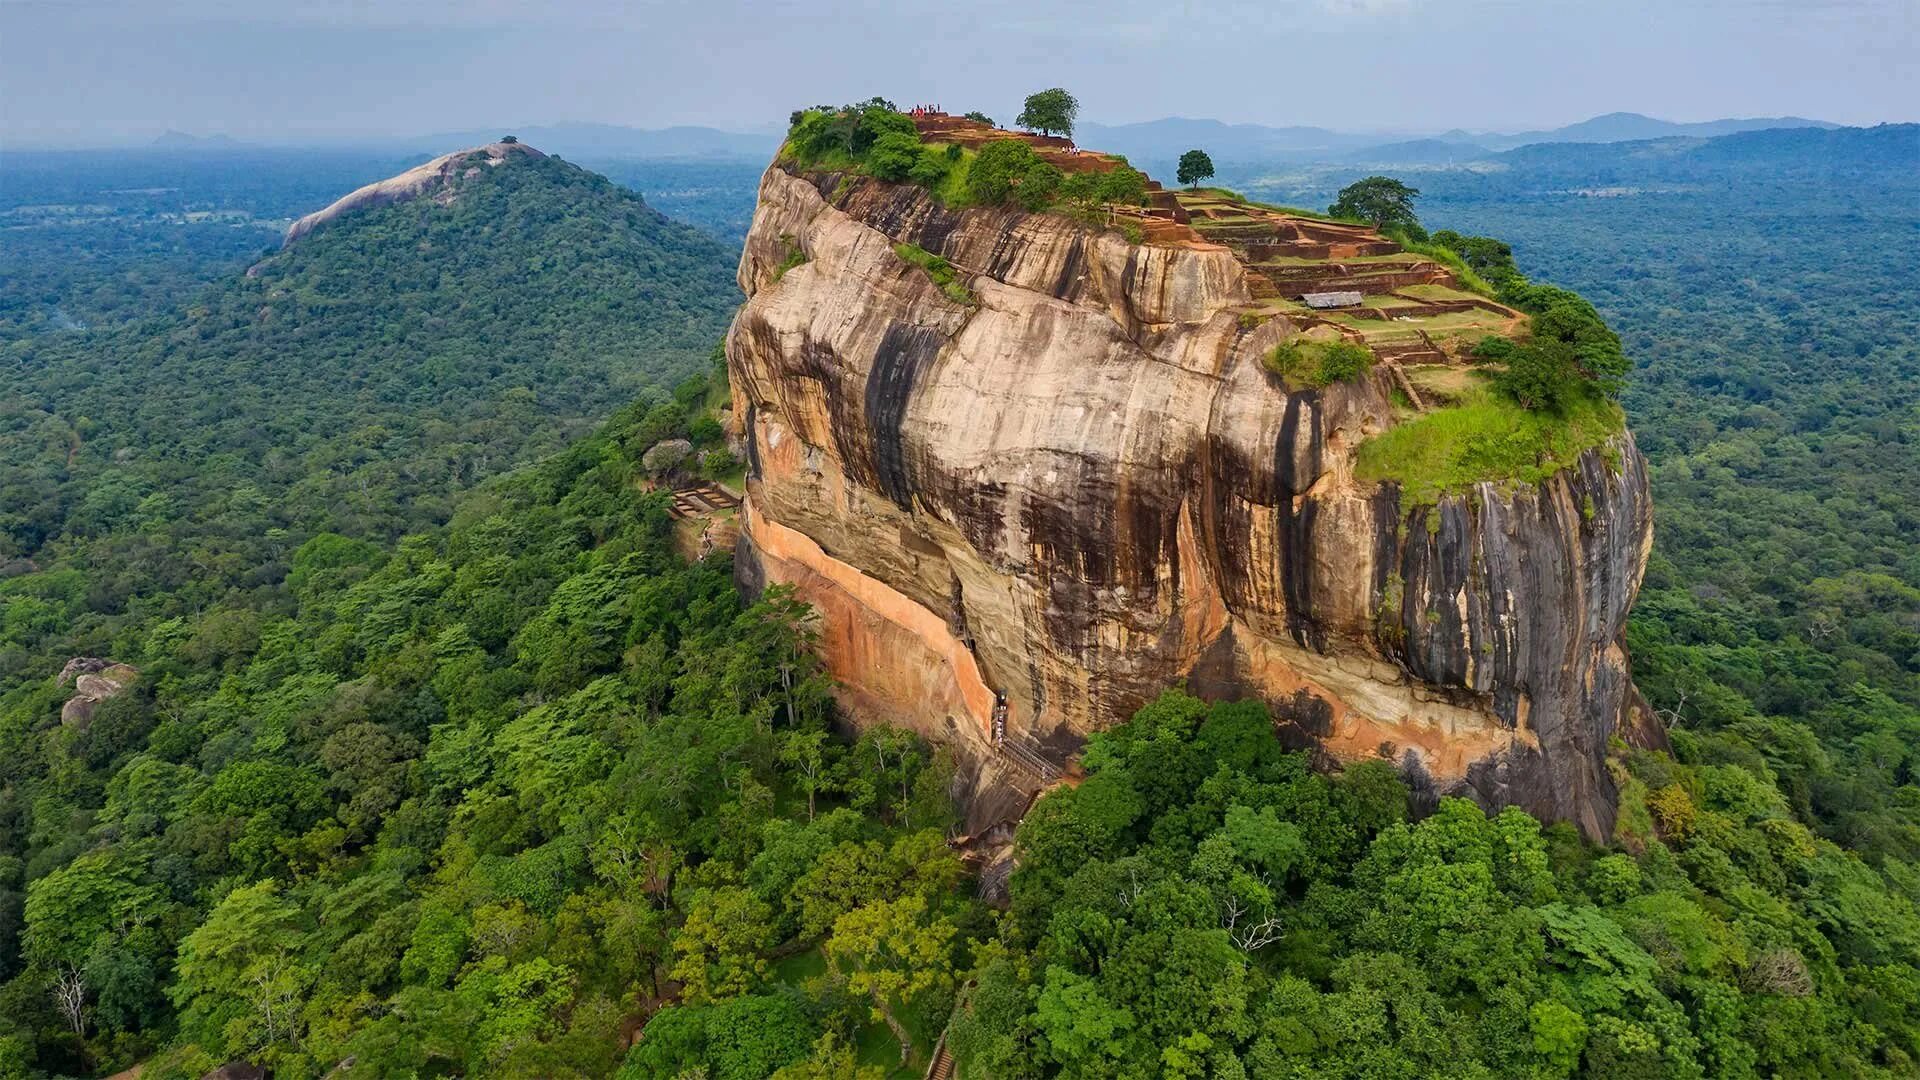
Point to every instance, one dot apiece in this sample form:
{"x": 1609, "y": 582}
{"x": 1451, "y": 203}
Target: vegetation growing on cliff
{"x": 1305, "y": 364}
{"x": 874, "y": 138}
{"x": 1486, "y": 437}
{"x": 940, "y": 270}
{"x": 1544, "y": 398}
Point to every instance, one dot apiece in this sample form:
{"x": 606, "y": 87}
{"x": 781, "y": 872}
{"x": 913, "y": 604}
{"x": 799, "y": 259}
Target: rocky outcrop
{"x": 94, "y": 680}
{"x": 437, "y": 179}
{"x": 1023, "y": 517}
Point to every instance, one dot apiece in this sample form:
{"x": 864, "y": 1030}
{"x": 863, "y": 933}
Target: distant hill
{"x": 180, "y": 140}
{"x": 613, "y": 140}
{"x": 1634, "y": 127}
{"x": 1157, "y": 141}
{"x": 1778, "y": 150}
{"x": 1160, "y": 139}
{"x": 412, "y": 348}
{"x": 1420, "y": 152}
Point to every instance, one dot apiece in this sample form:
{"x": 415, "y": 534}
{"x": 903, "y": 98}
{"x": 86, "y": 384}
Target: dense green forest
{"x": 437, "y": 771}
{"x": 354, "y": 382}
{"x": 483, "y": 801}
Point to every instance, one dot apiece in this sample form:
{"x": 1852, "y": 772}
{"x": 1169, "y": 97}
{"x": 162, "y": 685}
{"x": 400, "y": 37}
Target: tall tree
{"x": 893, "y": 952}
{"x": 1382, "y": 201}
{"x": 1050, "y": 111}
{"x": 1195, "y": 166}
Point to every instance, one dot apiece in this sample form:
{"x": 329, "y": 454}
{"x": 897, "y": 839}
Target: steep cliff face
{"x": 1085, "y": 486}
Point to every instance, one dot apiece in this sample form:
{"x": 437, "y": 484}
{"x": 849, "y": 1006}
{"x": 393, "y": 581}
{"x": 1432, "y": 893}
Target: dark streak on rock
{"x": 905, "y": 352}
{"x": 1293, "y": 476}
{"x": 753, "y": 442}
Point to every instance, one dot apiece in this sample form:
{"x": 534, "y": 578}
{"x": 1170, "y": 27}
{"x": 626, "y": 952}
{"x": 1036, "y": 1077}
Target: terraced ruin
{"x": 1406, "y": 307}
{"x": 1329, "y": 278}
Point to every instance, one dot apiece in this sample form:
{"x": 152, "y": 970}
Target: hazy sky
{"x": 82, "y": 72}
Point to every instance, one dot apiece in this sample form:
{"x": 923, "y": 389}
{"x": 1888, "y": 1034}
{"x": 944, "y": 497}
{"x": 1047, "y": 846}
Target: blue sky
{"x": 92, "y": 72}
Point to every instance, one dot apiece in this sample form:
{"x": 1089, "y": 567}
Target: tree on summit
{"x": 1381, "y": 201}
{"x": 1195, "y": 166}
{"x": 1050, "y": 111}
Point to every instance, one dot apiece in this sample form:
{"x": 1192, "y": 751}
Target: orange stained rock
{"x": 897, "y": 652}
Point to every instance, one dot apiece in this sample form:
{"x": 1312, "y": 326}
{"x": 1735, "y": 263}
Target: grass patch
{"x": 1435, "y": 292}
{"x": 940, "y": 270}
{"x": 1296, "y": 211}
{"x": 798, "y": 968}
{"x": 1467, "y": 276}
{"x": 951, "y": 191}
{"x": 1314, "y": 364}
{"x": 794, "y": 257}
{"x": 1486, "y": 437}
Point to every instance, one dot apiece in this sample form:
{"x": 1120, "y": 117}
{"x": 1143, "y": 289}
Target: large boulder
{"x": 94, "y": 680}
{"x": 1022, "y": 517}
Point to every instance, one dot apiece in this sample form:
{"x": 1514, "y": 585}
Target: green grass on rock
{"x": 1486, "y": 437}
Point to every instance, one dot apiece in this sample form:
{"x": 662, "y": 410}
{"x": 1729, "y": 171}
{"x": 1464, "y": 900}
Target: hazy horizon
{"x": 115, "y": 72}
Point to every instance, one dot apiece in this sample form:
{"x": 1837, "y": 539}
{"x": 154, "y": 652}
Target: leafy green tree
{"x": 1381, "y": 201}
{"x": 1540, "y": 375}
{"x": 1050, "y": 111}
{"x": 1195, "y": 166}
{"x": 720, "y": 948}
{"x": 893, "y": 953}
{"x": 240, "y": 982}
{"x": 894, "y": 155}
{"x": 1008, "y": 171}
{"x": 831, "y": 1059}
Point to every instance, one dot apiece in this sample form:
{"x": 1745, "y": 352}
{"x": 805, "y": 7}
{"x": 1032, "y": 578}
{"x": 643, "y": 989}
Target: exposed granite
{"x": 1087, "y": 487}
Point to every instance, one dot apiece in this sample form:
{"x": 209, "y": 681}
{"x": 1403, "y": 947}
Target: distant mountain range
{"x": 612, "y": 140}
{"x": 1158, "y": 140}
{"x": 180, "y": 140}
{"x": 1148, "y": 143}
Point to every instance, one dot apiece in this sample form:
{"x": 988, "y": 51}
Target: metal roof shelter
{"x": 1324, "y": 300}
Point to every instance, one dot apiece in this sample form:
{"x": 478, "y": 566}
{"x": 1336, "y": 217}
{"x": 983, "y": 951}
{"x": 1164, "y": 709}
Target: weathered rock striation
{"x": 1022, "y": 518}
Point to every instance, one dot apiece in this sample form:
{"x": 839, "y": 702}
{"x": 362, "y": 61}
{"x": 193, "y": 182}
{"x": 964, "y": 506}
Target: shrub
{"x": 894, "y": 155}
{"x": 1088, "y": 192}
{"x": 795, "y": 256}
{"x": 940, "y": 270}
{"x": 1316, "y": 364}
{"x": 1540, "y": 375}
{"x": 848, "y": 132}
{"x": 1562, "y": 315}
{"x": 1008, "y": 171}
{"x": 930, "y": 168}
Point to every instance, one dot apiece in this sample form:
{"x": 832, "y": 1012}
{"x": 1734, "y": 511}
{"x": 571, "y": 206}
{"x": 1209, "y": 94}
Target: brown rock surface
{"x": 94, "y": 681}
{"x": 1087, "y": 487}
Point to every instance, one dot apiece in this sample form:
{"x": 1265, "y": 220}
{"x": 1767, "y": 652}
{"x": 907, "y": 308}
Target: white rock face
{"x": 432, "y": 180}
